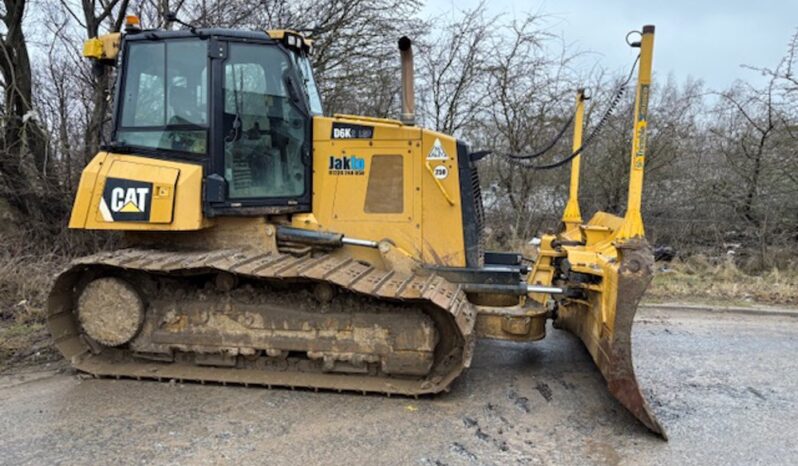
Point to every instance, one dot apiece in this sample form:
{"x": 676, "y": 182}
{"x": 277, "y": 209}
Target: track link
{"x": 453, "y": 314}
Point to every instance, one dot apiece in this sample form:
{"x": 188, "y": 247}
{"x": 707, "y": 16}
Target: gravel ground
{"x": 725, "y": 386}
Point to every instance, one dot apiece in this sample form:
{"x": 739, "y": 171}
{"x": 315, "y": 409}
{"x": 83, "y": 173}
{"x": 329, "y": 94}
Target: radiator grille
{"x": 472, "y": 208}
{"x": 480, "y": 211}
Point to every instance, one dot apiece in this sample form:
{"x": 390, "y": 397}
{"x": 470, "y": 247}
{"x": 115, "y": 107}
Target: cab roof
{"x": 279, "y": 35}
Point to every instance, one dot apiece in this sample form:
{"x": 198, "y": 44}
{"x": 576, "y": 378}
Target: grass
{"x": 699, "y": 279}
{"x": 25, "y": 281}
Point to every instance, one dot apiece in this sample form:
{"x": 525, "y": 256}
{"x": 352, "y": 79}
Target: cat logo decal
{"x": 126, "y": 200}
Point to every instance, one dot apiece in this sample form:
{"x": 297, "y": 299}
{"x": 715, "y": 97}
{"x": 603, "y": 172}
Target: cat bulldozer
{"x": 264, "y": 243}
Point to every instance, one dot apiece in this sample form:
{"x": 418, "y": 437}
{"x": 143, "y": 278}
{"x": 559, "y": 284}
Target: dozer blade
{"x": 605, "y": 326}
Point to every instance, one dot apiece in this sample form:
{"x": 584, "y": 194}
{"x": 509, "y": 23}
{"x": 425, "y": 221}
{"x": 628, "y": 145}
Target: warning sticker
{"x": 437, "y": 152}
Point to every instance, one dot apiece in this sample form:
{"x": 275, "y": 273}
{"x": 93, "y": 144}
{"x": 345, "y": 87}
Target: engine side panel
{"x": 126, "y": 192}
{"x": 376, "y": 179}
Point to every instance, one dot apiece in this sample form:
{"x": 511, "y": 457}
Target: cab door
{"x": 262, "y": 132}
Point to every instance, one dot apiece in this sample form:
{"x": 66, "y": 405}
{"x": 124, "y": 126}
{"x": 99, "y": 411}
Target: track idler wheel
{"x": 110, "y": 311}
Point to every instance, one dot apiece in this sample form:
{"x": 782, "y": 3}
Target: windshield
{"x": 165, "y": 96}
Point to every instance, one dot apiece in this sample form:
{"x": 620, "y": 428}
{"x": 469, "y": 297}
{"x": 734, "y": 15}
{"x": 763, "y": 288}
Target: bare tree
{"x": 24, "y": 164}
{"x": 453, "y": 70}
{"x": 529, "y": 89}
{"x": 96, "y": 17}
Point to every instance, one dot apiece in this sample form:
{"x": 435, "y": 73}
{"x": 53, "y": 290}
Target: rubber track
{"x": 344, "y": 272}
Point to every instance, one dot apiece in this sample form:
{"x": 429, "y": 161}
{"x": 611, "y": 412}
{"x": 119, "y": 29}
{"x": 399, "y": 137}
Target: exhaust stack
{"x": 408, "y": 94}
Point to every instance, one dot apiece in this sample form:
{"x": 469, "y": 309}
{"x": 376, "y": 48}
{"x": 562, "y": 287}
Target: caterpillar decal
{"x": 126, "y": 200}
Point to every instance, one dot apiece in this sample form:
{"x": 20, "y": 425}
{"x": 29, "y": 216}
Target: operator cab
{"x": 241, "y": 103}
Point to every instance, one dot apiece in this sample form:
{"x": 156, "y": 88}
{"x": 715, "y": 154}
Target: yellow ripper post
{"x": 572, "y": 216}
{"x": 633, "y": 220}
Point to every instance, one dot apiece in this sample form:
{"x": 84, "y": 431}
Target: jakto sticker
{"x": 440, "y": 172}
{"x": 126, "y": 201}
{"x": 344, "y": 165}
{"x": 437, "y": 152}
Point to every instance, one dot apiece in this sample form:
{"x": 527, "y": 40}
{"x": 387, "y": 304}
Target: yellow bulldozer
{"x": 267, "y": 244}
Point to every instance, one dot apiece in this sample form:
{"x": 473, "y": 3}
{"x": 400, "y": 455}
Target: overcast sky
{"x": 703, "y": 39}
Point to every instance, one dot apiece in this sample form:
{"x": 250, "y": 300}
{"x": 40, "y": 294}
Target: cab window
{"x": 165, "y": 96}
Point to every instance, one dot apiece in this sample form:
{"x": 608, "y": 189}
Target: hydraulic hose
{"x": 518, "y": 160}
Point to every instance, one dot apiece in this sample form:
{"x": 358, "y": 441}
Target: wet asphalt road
{"x": 725, "y": 387}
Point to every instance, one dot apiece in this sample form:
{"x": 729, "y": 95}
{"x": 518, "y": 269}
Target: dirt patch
{"x": 23, "y": 345}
